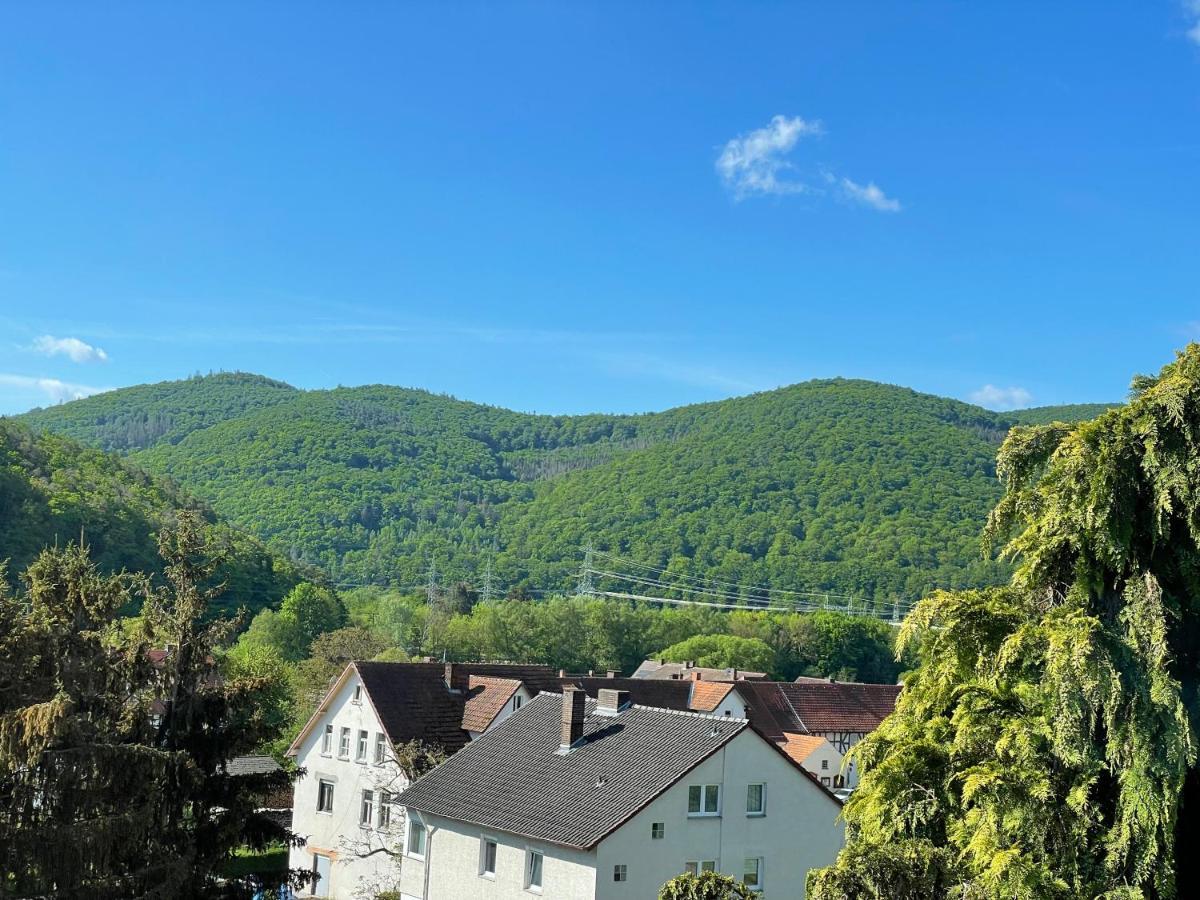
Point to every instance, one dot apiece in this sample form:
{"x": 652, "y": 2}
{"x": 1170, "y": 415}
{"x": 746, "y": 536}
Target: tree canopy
{"x": 1045, "y": 746}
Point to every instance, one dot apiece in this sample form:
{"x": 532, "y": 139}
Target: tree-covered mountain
{"x": 1070, "y": 413}
{"x": 839, "y": 485}
{"x": 54, "y": 491}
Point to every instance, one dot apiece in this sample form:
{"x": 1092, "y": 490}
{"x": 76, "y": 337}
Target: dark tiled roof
{"x": 816, "y": 706}
{"x": 657, "y": 669}
{"x": 642, "y": 691}
{"x": 413, "y": 702}
{"x": 514, "y": 779}
{"x": 251, "y": 765}
{"x": 486, "y": 696}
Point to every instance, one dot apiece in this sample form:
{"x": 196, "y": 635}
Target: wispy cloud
{"x": 1191, "y": 9}
{"x": 680, "y": 371}
{"x": 758, "y": 164}
{"x": 54, "y": 390}
{"x": 994, "y": 397}
{"x": 73, "y": 348}
{"x": 868, "y": 195}
{"x": 751, "y": 163}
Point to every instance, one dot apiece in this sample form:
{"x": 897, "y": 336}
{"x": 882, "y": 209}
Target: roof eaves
{"x": 321, "y": 709}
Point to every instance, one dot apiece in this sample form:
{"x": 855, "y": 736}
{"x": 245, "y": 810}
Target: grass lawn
{"x": 256, "y": 862}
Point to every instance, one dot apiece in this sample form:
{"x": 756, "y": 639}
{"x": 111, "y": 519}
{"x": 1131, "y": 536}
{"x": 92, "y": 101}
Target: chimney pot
{"x": 612, "y": 673}
{"x": 572, "y": 715}
{"x": 611, "y": 700}
{"x": 562, "y": 673}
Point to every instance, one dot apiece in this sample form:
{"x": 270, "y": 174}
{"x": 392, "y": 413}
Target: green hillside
{"x": 54, "y": 490}
{"x": 1070, "y": 413}
{"x": 839, "y": 485}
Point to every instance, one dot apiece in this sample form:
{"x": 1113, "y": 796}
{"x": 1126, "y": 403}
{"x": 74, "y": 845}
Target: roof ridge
{"x": 662, "y": 709}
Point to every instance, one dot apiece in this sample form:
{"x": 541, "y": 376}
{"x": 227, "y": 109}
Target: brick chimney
{"x": 697, "y": 676}
{"x": 610, "y": 701}
{"x": 572, "y": 715}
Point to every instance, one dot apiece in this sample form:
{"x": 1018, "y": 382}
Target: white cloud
{"x": 56, "y": 391}
{"x": 994, "y": 397}
{"x": 751, "y": 163}
{"x": 1191, "y": 8}
{"x": 869, "y": 195}
{"x": 74, "y": 348}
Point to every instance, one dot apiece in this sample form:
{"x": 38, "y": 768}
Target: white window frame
{"x": 486, "y": 840}
{"x": 758, "y": 871}
{"x": 366, "y": 809}
{"x": 658, "y": 831}
{"x": 704, "y": 811}
{"x": 530, "y": 853}
{"x": 344, "y": 743}
{"x": 364, "y": 742}
{"x": 327, "y": 740}
{"x": 762, "y": 800}
{"x": 696, "y": 866}
{"x": 380, "y": 748}
{"x": 321, "y": 784}
{"x": 385, "y": 810}
{"x": 415, "y": 824}
{"x": 620, "y": 872}
{"x": 357, "y": 694}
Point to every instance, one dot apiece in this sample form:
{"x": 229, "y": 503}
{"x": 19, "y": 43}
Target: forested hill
{"x": 838, "y": 485}
{"x": 54, "y": 490}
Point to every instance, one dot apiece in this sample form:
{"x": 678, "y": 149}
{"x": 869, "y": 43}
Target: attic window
{"x": 358, "y": 693}
{"x": 658, "y": 830}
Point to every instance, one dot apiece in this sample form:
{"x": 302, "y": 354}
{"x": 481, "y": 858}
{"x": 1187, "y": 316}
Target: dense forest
{"x": 839, "y": 485}
{"x": 53, "y": 492}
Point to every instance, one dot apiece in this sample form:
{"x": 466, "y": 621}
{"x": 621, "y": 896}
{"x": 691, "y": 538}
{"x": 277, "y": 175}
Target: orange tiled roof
{"x": 486, "y": 696}
{"x": 801, "y": 746}
{"x": 707, "y": 695}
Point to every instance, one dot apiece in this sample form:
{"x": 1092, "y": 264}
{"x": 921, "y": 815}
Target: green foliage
{"x": 53, "y": 491}
{"x": 705, "y": 886}
{"x": 1069, "y": 412}
{"x": 112, "y": 761}
{"x": 842, "y": 486}
{"x": 722, "y": 651}
{"x": 1045, "y": 747}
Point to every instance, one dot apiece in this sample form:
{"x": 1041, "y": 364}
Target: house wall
{"x": 453, "y": 856}
{"x": 799, "y": 831}
{"x": 843, "y": 741}
{"x": 824, "y": 762}
{"x": 338, "y": 834}
{"x": 732, "y": 706}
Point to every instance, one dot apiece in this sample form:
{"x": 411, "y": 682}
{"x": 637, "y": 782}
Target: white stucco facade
{"x": 337, "y": 835}
{"x": 797, "y": 830}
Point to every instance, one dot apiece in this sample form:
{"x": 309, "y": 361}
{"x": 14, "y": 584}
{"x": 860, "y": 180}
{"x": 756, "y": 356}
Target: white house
{"x": 575, "y": 799}
{"x": 343, "y": 804}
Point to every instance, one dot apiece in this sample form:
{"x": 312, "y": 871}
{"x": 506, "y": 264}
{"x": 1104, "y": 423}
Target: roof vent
{"x": 601, "y": 781}
{"x": 609, "y": 701}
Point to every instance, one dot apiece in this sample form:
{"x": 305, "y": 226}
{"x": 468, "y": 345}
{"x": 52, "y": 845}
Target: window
{"x": 516, "y": 702}
{"x": 385, "y": 809}
{"x": 533, "y": 870}
{"x": 327, "y": 741}
{"x": 704, "y": 800}
{"x": 756, "y": 799}
{"x": 358, "y": 693}
{"x": 344, "y": 744}
{"x": 366, "y": 812}
{"x": 824, "y": 764}
{"x": 658, "y": 830}
{"x": 693, "y": 867}
{"x": 620, "y": 873}
{"x": 487, "y": 858}
{"x": 752, "y": 870}
{"x": 825, "y": 780}
{"x": 324, "y": 796}
{"x": 416, "y": 838}
{"x": 360, "y": 754}
{"x": 380, "y": 749}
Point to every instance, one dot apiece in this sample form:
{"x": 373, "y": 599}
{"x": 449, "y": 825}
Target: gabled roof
{"x": 817, "y": 706}
{"x": 486, "y": 696}
{"x": 707, "y": 695}
{"x": 660, "y": 669}
{"x": 413, "y": 701}
{"x": 514, "y": 779}
{"x": 801, "y": 746}
{"x": 642, "y": 691}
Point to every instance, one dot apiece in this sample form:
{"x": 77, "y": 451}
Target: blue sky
{"x": 620, "y": 206}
